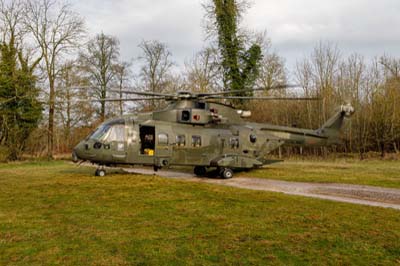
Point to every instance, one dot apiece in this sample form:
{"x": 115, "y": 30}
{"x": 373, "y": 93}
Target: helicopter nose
{"x": 75, "y": 157}
{"x": 78, "y": 152}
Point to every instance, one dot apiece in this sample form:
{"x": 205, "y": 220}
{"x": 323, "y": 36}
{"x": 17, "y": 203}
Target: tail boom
{"x": 328, "y": 134}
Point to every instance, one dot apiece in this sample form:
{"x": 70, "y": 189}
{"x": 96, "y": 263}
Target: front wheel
{"x": 226, "y": 173}
{"x": 100, "y": 172}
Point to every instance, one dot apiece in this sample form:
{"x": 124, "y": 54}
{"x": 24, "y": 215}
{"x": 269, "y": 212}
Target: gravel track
{"x": 365, "y": 195}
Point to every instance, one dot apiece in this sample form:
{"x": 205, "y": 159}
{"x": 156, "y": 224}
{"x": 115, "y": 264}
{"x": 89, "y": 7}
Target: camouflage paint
{"x": 227, "y": 140}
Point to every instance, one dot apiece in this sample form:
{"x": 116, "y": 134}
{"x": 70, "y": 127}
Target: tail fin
{"x": 331, "y": 128}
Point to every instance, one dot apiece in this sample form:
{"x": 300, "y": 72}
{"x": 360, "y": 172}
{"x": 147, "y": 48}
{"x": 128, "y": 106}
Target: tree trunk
{"x": 50, "y": 133}
{"x": 103, "y": 104}
{"x": 69, "y": 119}
{"x": 121, "y": 111}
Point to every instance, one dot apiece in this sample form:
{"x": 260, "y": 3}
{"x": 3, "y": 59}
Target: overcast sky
{"x": 368, "y": 27}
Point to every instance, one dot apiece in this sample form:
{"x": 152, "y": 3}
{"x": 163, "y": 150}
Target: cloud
{"x": 338, "y": 21}
{"x": 176, "y": 23}
{"x": 369, "y": 27}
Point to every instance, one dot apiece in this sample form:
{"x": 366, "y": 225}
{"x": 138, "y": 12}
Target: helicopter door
{"x": 147, "y": 140}
{"x": 147, "y": 144}
{"x": 163, "y": 148}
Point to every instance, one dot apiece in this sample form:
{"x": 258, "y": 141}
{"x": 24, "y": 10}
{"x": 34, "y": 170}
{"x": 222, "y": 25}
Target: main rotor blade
{"x": 277, "y": 87}
{"x": 267, "y": 98}
{"x": 142, "y": 93}
{"x": 125, "y": 91}
{"x": 127, "y": 99}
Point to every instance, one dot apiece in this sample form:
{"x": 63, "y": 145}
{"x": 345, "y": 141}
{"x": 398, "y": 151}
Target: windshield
{"x": 111, "y": 131}
{"x": 100, "y": 132}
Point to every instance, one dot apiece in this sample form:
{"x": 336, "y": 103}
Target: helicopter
{"x": 200, "y": 131}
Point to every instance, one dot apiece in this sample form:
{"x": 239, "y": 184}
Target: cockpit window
{"x": 112, "y": 131}
{"x": 100, "y": 132}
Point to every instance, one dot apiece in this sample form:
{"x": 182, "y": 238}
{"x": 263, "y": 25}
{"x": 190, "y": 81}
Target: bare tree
{"x": 203, "y": 71}
{"x": 99, "y": 60}
{"x": 392, "y": 83}
{"x": 57, "y": 30}
{"x": 317, "y": 74}
{"x": 70, "y": 108}
{"x": 386, "y": 96}
{"x": 122, "y": 77}
{"x": 325, "y": 59}
{"x": 391, "y": 65}
{"x": 272, "y": 70}
{"x": 10, "y": 17}
{"x": 13, "y": 29}
{"x": 304, "y": 76}
{"x": 156, "y": 67}
{"x": 351, "y": 88}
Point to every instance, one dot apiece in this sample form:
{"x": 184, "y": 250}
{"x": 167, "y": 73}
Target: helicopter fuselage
{"x": 192, "y": 133}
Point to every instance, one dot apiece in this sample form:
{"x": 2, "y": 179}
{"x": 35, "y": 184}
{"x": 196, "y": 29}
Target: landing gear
{"x": 100, "y": 172}
{"x": 226, "y": 173}
{"x": 200, "y": 171}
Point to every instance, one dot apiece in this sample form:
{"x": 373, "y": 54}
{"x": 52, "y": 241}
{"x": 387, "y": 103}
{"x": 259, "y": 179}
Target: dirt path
{"x": 365, "y": 195}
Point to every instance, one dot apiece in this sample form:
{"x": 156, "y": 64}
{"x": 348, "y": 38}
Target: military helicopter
{"x": 197, "y": 130}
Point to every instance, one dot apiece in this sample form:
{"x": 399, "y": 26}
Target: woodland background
{"x": 52, "y": 70}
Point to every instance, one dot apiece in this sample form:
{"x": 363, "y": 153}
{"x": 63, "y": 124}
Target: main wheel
{"x": 100, "y": 172}
{"x": 200, "y": 171}
{"x": 226, "y": 173}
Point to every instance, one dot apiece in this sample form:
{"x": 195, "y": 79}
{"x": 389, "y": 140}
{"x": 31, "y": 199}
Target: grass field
{"x": 369, "y": 172}
{"x": 58, "y": 214}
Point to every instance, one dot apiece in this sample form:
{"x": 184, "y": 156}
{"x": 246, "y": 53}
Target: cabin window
{"x": 116, "y": 133}
{"x": 163, "y": 139}
{"x": 180, "y": 140}
{"x": 253, "y": 138}
{"x": 196, "y": 141}
{"x": 200, "y": 105}
{"x": 185, "y": 115}
{"x": 234, "y": 143}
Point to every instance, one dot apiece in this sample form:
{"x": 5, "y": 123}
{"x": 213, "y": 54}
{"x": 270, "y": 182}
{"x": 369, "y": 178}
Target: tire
{"x": 227, "y": 173}
{"x": 100, "y": 172}
{"x": 200, "y": 171}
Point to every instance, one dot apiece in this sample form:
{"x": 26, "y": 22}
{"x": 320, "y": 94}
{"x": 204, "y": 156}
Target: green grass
{"x": 59, "y": 214}
{"x": 373, "y": 173}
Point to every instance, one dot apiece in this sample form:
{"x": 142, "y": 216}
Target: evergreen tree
{"x": 240, "y": 65}
{"x": 20, "y": 111}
